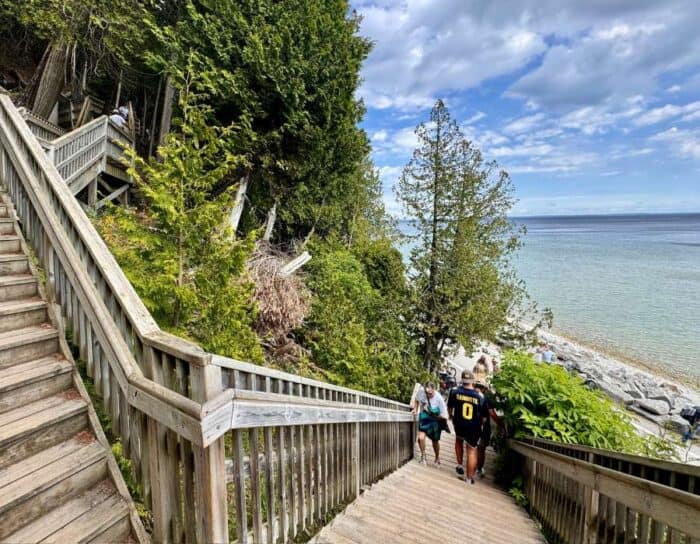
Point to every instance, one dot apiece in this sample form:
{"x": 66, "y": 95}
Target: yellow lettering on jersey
{"x": 467, "y": 398}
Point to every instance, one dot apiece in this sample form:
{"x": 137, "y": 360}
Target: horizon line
{"x": 610, "y": 214}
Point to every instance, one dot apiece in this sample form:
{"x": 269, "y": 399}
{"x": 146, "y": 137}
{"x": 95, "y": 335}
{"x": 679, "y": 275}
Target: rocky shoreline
{"x": 649, "y": 395}
{"x": 655, "y": 399}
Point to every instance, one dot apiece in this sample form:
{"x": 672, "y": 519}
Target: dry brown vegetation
{"x": 283, "y": 301}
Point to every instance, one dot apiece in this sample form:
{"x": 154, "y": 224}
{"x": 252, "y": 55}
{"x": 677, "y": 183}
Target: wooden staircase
{"x": 58, "y": 479}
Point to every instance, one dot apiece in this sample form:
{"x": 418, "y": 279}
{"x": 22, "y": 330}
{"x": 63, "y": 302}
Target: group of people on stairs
{"x": 470, "y": 409}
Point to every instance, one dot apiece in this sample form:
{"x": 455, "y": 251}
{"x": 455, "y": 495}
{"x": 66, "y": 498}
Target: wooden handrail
{"x": 41, "y": 127}
{"x": 237, "y": 373}
{"x": 619, "y": 461}
{"x": 577, "y": 500}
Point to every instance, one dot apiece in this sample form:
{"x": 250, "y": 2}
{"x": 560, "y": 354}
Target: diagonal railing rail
{"x": 190, "y": 421}
{"x": 587, "y": 495}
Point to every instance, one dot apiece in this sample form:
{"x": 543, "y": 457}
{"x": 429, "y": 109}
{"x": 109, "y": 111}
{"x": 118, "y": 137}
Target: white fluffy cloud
{"x": 669, "y": 111}
{"x": 589, "y": 51}
{"x": 683, "y": 142}
{"x": 423, "y": 50}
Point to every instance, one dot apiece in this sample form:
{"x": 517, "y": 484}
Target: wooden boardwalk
{"x": 423, "y": 503}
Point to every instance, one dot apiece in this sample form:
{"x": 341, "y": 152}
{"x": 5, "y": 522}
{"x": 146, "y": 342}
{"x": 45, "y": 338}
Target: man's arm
{"x": 495, "y": 417}
{"x": 450, "y": 405}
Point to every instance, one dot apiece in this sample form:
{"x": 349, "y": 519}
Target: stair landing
{"x": 423, "y": 503}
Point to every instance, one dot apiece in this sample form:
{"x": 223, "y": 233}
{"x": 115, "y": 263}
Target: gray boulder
{"x": 615, "y": 393}
{"x": 658, "y": 407}
{"x": 632, "y": 391}
{"x": 676, "y": 423}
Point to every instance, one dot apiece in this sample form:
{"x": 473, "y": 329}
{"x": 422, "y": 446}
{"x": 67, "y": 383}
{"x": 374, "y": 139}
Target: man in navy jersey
{"x": 465, "y": 407}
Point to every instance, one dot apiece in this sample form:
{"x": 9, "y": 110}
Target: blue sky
{"x": 592, "y": 106}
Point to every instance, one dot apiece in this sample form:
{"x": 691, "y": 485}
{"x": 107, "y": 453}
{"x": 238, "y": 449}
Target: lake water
{"x": 629, "y": 285}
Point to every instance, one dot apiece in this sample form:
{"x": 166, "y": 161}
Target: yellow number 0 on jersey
{"x": 467, "y": 411}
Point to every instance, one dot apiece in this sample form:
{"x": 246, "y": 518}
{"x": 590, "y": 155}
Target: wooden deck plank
{"x": 393, "y": 509}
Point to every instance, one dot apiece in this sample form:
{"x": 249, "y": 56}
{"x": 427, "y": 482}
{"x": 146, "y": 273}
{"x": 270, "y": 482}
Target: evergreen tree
{"x": 457, "y": 204}
{"x": 286, "y": 73}
{"x": 178, "y": 252}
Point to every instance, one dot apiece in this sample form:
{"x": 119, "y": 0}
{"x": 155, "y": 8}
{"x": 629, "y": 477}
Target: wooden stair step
{"x": 107, "y": 521}
{"x": 22, "y": 345}
{"x": 13, "y": 264}
{"x": 31, "y": 381}
{"x": 7, "y": 225}
{"x": 58, "y": 518}
{"x": 40, "y": 424}
{"x": 22, "y": 313}
{"x": 9, "y": 243}
{"x": 36, "y": 485}
{"x": 16, "y": 286}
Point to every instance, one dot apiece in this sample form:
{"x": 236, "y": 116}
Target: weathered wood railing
{"x": 299, "y": 448}
{"x": 41, "y": 127}
{"x": 82, "y": 154}
{"x": 586, "y": 495}
{"x": 173, "y": 407}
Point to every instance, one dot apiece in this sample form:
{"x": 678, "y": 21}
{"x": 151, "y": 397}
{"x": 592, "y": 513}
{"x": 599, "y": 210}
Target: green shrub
{"x": 178, "y": 252}
{"x": 355, "y": 332}
{"x": 545, "y": 401}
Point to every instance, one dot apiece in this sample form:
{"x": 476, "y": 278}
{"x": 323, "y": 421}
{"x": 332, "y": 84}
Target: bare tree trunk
{"x": 238, "y": 204}
{"x": 167, "y": 116}
{"x": 271, "y": 218}
{"x": 119, "y": 91}
{"x": 51, "y": 82}
{"x": 154, "y": 117}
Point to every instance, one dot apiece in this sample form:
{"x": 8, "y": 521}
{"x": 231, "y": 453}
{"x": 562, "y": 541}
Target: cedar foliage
{"x": 177, "y": 251}
{"x": 457, "y": 203}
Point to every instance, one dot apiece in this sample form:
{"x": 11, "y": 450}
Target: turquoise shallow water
{"x": 629, "y": 285}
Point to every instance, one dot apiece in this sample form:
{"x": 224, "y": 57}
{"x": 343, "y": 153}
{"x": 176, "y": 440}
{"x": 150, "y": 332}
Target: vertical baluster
{"x": 161, "y": 488}
{"x": 239, "y": 487}
{"x": 89, "y": 352}
{"x": 114, "y": 403}
{"x": 97, "y": 351}
{"x": 327, "y": 503}
{"x": 317, "y": 448}
{"x": 308, "y": 458}
{"x": 293, "y": 482}
{"x": 255, "y": 496}
{"x": 282, "y": 455}
{"x": 125, "y": 425}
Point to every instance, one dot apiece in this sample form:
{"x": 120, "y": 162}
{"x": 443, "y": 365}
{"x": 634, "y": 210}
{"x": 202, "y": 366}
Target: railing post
{"x": 356, "y": 483}
{"x": 590, "y": 511}
{"x": 209, "y": 466}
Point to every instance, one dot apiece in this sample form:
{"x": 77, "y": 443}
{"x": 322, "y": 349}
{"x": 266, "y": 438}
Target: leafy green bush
{"x": 178, "y": 252}
{"x": 355, "y": 332}
{"x": 545, "y": 401}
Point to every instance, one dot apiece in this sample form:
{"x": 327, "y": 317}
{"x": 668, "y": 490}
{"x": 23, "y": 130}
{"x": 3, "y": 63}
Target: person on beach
{"x": 466, "y": 410}
{"x": 431, "y": 409}
{"x": 481, "y": 385}
{"x": 548, "y": 355}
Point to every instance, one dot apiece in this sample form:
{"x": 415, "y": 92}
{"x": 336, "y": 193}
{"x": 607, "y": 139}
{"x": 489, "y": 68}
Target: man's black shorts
{"x": 469, "y": 434}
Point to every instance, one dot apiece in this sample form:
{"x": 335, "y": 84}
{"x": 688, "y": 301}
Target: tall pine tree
{"x": 457, "y": 204}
